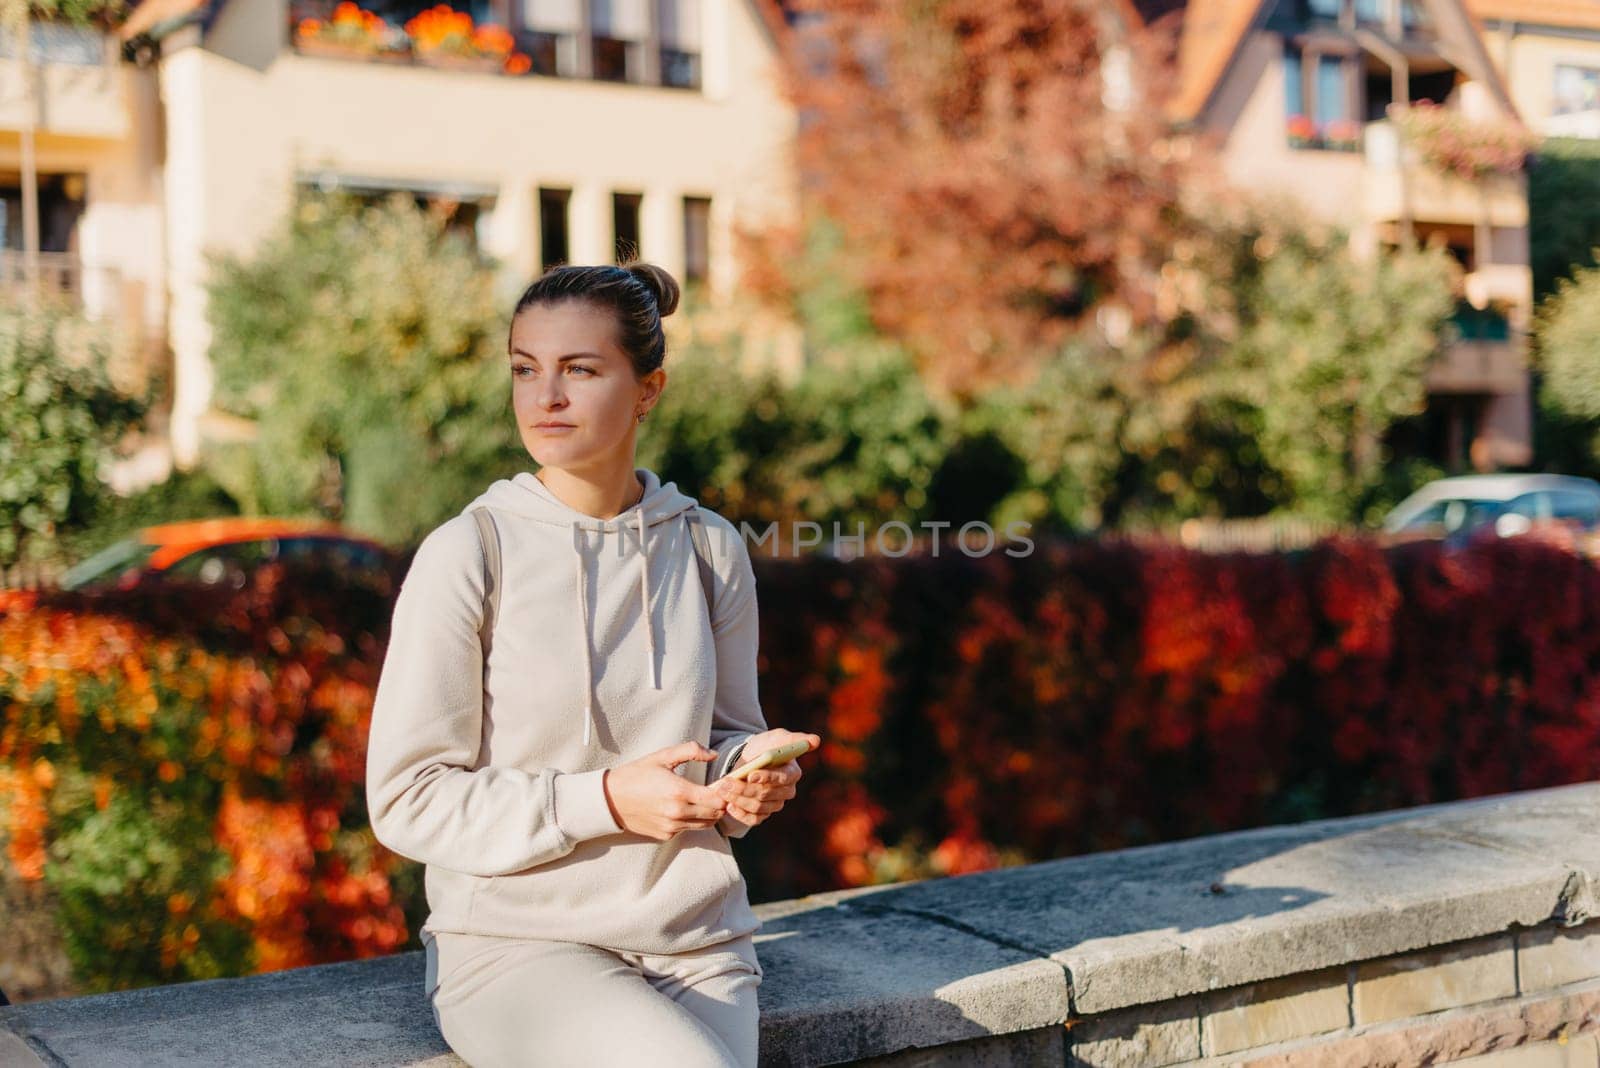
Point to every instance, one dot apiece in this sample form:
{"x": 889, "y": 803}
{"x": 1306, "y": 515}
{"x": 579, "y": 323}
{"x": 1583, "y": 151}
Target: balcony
{"x": 1399, "y": 186}
{"x": 617, "y": 42}
{"x": 1481, "y": 353}
{"x": 61, "y": 278}
{"x": 77, "y": 88}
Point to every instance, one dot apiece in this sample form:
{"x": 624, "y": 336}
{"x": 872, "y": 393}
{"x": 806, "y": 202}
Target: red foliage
{"x": 974, "y": 711}
{"x": 991, "y": 166}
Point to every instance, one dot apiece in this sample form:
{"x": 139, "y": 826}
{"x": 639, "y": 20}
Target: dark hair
{"x": 641, "y": 295}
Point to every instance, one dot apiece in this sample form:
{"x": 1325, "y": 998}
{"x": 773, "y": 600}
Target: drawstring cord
{"x": 644, "y": 590}
{"x": 579, "y": 543}
{"x": 583, "y": 612}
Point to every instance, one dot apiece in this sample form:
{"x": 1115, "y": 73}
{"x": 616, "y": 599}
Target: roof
{"x": 1573, "y": 14}
{"x": 1209, "y": 33}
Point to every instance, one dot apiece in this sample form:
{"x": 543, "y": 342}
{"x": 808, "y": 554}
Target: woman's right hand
{"x": 648, "y": 798}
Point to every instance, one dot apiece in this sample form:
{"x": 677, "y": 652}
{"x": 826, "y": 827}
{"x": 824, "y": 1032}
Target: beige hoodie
{"x": 490, "y": 773}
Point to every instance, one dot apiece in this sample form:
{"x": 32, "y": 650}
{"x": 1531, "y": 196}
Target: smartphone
{"x": 780, "y": 755}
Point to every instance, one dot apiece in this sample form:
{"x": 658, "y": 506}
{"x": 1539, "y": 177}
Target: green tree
{"x": 1330, "y": 351}
{"x": 365, "y": 341}
{"x": 1568, "y": 329}
{"x": 62, "y": 415}
{"x": 1563, "y": 210}
{"x": 1271, "y": 391}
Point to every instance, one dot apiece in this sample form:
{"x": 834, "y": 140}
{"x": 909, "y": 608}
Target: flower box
{"x": 471, "y": 64}
{"x": 310, "y": 46}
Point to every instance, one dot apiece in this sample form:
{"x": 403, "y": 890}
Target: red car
{"x": 224, "y": 551}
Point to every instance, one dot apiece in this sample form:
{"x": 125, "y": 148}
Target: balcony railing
{"x": 1398, "y": 185}
{"x": 1480, "y": 353}
{"x": 343, "y": 30}
{"x": 59, "y": 278}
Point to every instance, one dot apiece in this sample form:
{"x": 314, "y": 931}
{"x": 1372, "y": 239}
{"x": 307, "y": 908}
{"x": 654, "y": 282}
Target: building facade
{"x": 1296, "y": 96}
{"x": 611, "y": 127}
{"x": 1549, "y": 51}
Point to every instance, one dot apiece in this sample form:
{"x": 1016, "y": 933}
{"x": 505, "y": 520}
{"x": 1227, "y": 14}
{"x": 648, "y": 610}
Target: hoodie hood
{"x": 524, "y": 495}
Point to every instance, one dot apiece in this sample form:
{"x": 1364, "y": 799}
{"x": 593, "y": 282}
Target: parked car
{"x": 1470, "y": 506}
{"x": 224, "y": 551}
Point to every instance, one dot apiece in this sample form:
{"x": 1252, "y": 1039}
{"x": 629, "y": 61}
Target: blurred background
{"x": 1277, "y": 320}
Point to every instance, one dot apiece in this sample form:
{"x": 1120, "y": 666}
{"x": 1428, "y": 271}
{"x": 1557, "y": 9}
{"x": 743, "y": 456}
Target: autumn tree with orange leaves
{"x": 994, "y": 167}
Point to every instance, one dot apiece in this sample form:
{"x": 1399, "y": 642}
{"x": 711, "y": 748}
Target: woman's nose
{"x": 551, "y": 395}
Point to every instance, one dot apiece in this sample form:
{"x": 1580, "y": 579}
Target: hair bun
{"x": 658, "y": 282}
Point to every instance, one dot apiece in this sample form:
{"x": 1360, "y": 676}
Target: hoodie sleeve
{"x": 426, "y": 798}
{"x": 736, "y": 714}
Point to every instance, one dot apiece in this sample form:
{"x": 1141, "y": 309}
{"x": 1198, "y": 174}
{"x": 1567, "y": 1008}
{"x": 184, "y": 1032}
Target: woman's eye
{"x": 581, "y": 367}
{"x": 520, "y": 368}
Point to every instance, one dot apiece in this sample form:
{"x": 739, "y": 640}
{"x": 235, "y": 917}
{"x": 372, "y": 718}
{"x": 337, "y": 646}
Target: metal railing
{"x": 57, "y": 277}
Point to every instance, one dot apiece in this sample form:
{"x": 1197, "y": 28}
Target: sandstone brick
{"x": 1274, "y": 1010}
{"x": 1148, "y": 1036}
{"x": 1579, "y": 1052}
{"x": 1555, "y": 956}
{"x": 1482, "y": 969}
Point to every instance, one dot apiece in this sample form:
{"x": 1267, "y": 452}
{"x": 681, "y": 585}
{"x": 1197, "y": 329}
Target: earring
{"x": 641, "y": 417}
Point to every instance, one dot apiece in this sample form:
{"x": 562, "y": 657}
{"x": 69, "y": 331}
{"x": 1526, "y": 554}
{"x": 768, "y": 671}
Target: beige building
{"x": 1549, "y": 51}
{"x": 648, "y": 124}
{"x": 85, "y": 124}
{"x": 1295, "y": 94}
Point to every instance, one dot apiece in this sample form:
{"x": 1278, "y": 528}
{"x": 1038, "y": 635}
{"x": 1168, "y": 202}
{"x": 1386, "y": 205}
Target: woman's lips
{"x": 553, "y": 428}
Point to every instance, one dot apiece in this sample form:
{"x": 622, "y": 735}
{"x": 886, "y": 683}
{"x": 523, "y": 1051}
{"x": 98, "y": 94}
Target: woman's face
{"x": 573, "y": 389}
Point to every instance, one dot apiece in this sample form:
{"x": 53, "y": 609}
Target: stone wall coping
{"x": 874, "y": 970}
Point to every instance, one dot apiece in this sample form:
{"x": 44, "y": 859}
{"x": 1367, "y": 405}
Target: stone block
{"x": 1149, "y": 1036}
{"x": 1556, "y": 956}
{"x": 1580, "y": 1052}
{"x": 1274, "y": 1010}
{"x": 1026, "y": 1049}
{"x": 14, "y": 1053}
{"x": 1483, "y": 969}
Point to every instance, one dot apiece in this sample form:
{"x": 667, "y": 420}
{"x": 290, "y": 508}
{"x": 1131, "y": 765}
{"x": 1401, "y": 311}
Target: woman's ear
{"x": 652, "y": 384}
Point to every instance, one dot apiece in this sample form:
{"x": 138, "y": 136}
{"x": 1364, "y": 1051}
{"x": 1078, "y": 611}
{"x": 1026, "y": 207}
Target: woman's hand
{"x": 761, "y": 793}
{"x": 648, "y": 798}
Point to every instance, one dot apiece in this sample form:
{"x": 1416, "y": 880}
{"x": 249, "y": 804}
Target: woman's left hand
{"x": 761, "y": 793}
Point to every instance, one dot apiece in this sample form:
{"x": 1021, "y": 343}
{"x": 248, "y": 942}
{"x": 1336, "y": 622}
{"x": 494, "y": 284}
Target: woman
{"x": 561, "y": 775}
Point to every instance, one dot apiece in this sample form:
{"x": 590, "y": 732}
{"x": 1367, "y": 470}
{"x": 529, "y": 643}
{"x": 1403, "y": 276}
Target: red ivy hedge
{"x": 975, "y": 712}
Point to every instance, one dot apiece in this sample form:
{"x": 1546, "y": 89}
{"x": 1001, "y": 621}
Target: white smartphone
{"x": 777, "y": 755}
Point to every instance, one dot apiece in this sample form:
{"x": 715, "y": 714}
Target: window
{"x": 396, "y": 12}
{"x": 550, "y": 32}
{"x": 1582, "y": 508}
{"x": 678, "y": 22}
{"x": 1576, "y": 89}
{"x": 61, "y": 205}
{"x": 350, "y": 560}
{"x": 618, "y": 31}
{"x": 696, "y": 238}
{"x": 465, "y": 209}
{"x": 1320, "y": 98}
{"x": 553, "y": 243}
{"x": 625, "y": 224}
{"x": 228, "y": 564}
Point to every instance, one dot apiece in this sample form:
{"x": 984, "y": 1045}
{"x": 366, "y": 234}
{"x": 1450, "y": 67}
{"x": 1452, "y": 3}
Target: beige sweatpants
{"x": 520, "y": 1002}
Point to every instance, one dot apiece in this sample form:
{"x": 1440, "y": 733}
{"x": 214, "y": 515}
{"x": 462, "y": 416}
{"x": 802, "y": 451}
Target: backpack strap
{"x": 489, "y": 538}
{"x": 702, "y": 553}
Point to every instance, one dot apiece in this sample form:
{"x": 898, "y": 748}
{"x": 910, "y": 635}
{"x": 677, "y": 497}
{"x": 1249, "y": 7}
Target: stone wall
{"x": 1461, "y": 933}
